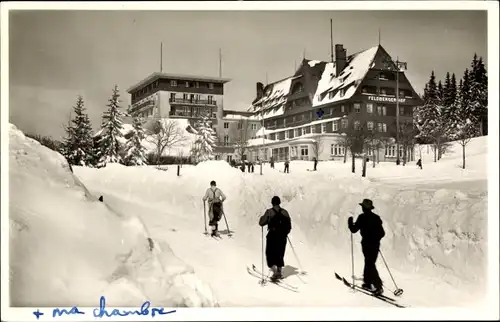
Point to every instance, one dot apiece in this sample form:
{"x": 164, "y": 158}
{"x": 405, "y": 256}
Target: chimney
{"x": 340, "y": 58}
{"x": 260, "y": 90}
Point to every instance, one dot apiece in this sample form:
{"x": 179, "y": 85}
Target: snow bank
{"x": 67, "y": 248}
{"x": 434, "y": 231}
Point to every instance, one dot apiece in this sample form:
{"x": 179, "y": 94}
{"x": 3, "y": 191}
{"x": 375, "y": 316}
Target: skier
{"x": 315, "y": 164}
{"x": 370, "y": 226}
{"x": 215, "y": 198}
{"x": 419, "y": 163}
{"x": 279, "y": 225}
{"x": 287, "y": 167}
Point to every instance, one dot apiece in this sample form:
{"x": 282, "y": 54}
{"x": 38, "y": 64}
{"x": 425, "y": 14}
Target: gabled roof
{"x": 348, "y": 80}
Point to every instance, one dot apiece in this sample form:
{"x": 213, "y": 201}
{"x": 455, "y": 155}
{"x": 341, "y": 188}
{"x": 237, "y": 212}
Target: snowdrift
{"x": 435, "y": 219}
{"x": 67, "y": 248}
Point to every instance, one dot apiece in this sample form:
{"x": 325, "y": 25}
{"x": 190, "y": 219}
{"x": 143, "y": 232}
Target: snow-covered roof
{"x": 313, "y": 63}
{"x": 264, "y": 131}
{"x": 255, "y": 142}
{"x": 157, "y": 75}
{"x": 348, "y": 80}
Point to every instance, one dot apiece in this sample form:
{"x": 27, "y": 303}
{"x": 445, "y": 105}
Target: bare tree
{"x": 407, "y": 135}
{"x": 241, "y": 142}
{"x": 317, "y": 146}
{"x": 355, "y": 141}
{"x": 372, "y": 143}
{"x": 166, "y": 134}
{"x": 464, "y": 132}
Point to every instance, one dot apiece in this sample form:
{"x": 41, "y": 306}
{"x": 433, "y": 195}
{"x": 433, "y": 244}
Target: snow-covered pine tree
{"x": 429, "y": 118}
{"x": 453, "y": 88}
{"x": 111, "y": 132}
{"x": 79, "y": 144}
{"x": 205, "y": 142}
{"x": 463, "y": 129}
{"x": 136, "y": 152}
{"x": 440, "y": 92}
{"x": 479, "y": 94}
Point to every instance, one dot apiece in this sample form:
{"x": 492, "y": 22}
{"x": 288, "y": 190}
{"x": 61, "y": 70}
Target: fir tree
{"x": 78, "y": 146}
{"x": 479, "y": 93}
{"x": 136, "y": 152}
{"x": 205, "y": 142}
{"x": 453, "y": 88}
{"x": 109, "y": 144}
{"x": 440, "y": 92}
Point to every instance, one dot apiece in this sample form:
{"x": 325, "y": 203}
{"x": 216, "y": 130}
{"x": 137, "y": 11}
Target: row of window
{"x": 240, "y": 125}
{"x": 370, "y": 125}
{"x": 173, "y": 83}
{"x": 390, "y": 151}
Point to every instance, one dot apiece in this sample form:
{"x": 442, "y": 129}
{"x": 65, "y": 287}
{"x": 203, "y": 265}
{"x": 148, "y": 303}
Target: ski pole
{"x": 352, "y": 259}
{"x": 205, "y": 216}
{"x": 262, "y": 238}
{"x": 225, "y": 219}
{"x": 398, "y": 291}
{"x": 302, "y": 272}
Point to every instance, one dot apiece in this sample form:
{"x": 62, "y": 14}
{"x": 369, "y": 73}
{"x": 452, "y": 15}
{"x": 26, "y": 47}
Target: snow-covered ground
{"x": 66, "y": 247}
{"x": 435, "y": 220}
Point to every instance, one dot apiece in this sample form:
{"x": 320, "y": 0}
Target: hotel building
{"x": 304, "y": 115}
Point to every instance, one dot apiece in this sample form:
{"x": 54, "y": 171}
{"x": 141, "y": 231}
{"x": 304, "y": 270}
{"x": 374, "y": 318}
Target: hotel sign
{"x": 385, "y": 99}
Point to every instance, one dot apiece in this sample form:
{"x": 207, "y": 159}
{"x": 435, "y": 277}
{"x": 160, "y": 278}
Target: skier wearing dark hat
{"x": 279, "y": 225}
{"x": 370, "y": 226}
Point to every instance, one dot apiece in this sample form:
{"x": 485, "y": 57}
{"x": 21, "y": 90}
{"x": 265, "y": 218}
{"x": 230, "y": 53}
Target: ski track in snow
{"x": 222, "y": 263}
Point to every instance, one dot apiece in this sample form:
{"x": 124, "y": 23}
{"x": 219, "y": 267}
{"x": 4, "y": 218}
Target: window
{"x": 210, "y": 85}
{"x": 342, "y": 92}
{"x": 297, "y": 133}
{"x": 185, "y": 96}
{"x": 357, "y": 107}
{"x": 210, "y": 99}
{"x": 254, "y": 126}
{"x": 214, "y": 115}
{"x": 382, "y": 127}
{"x": 382, "y": 110}
{"x": 286, "y": 135}
{"x": 337, "y": 149}
{"x": 345, "y": 123}
{"x": 173, "y": 83}
{"x": 304, "y": 131}
{"x": 187, "y": 84}
{"x": 390, "y": 151}
{"x": 336, "y": 125}
{"x": 197, "y": 84}
{"x": 331, "y": 95}
{"x": 356, "y": 125}
{"x": 401, "y": 110}
{"x": 369, "y": 126}
{"x": 332, "y": 109}
{"x": 383, "y": 91}
{"x": 369, "y": 108}
{"x": 172, "y": 97}
{"x": 313, "y": 129}
{"x": 226, "y": 125}
{"x": 304, "y": 151}
{"x": 342, "y": 108}
{"x": 226, "y": 140}
{"x": 240, "y": 126}
{"x": 323, "y": 128}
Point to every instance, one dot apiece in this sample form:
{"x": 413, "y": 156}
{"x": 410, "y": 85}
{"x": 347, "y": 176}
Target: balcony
{"x": 184, "y": 114}
{"x": 192, "y": 101}
{"x": 136, "y": 107}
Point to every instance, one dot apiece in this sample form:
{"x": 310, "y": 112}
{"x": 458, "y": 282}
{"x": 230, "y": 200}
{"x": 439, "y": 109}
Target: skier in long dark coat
{"x": 370, "y": 227}
{"x": 279, "y": 225}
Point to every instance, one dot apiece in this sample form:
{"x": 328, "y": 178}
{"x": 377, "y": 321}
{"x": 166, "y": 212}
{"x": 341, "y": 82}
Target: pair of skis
{"x": 255, "y": 272}
{"x": 367, "y": 292}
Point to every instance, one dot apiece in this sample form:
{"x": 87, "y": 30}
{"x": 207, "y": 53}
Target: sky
{"x": 57, "y": 55}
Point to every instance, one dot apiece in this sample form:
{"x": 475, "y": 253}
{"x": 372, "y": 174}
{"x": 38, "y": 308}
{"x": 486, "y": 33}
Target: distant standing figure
{"x": 242, "y": 167}
{"x": 215, "y": 198}
{"x": 372, "y": 231}
{"x": 249, "y": 167}
{"x": 315, "y": 164}
{"x": 272, "y": 163}
{"x": 252, "y": 167}
{"x": 287, "y": 167}
{"x": 279, "y": 226}
{"x": 419, "y": 163}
